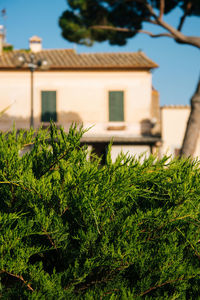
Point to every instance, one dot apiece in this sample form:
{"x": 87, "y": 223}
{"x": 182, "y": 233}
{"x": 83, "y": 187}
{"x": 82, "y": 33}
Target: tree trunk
{"x": 193, "y": 126}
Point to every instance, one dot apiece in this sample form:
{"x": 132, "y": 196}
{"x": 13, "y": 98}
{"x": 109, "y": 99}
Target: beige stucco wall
{"x": 139, "y": 152}
{"x": 81, "y": 96}
{"x": 174, "y": 121}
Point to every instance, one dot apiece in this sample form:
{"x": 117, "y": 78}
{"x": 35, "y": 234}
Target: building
{"x": 112, "y": 92}
{"x": 174, "y": 121}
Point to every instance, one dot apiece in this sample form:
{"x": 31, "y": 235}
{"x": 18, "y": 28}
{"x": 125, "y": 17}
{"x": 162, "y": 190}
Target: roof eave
{"x": 149, "y": 140}
{"x": 79, "y": 68}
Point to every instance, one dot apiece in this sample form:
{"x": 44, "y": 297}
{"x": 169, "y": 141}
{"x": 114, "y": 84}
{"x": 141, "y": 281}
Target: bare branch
{"x": 49, "y": 238}
{"x": 54, "y": 163}
{"x": 107, "y": 27}
{"x": 109, "y": 292}
{"x": 67, "y": 207}
{"x": 151, "y": 21}
{"x": 148, "y": 6}
{"x": 128, "y": 30}
{"x": 160, "y": 285}
{"x": 20, "y": 185}
{"x": 150, "y": 9}
{"x": 162, "y": 9}
{"x": 182, "y": 20}
{"x": 177, "y": 35}
{"x": 19, "y": 277}
{"x": 155, "y": 35}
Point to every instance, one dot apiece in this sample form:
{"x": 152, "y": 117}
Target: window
{"x": 116, "y": 106}
{"x": 48, "y": 106}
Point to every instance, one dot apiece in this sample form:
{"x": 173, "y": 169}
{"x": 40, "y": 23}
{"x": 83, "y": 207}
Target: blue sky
{"x": 179, "y": 65}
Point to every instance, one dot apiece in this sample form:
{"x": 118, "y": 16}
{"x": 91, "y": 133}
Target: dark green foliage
{"x": 78, "y": 21}
{"x": 71, "y": 228}
{"x": 8, "y": 48}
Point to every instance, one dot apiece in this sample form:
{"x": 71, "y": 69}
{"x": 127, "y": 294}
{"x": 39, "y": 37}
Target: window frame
{"x": 114, "y": 120}
{"x": 41, "y": 102}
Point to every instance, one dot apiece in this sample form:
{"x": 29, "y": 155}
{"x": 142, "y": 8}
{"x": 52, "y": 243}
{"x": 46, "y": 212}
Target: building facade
{"x": 109, "y": 92}
{"x": 174, "y": 121}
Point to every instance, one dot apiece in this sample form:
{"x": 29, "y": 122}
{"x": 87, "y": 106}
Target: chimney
{"x": 35, "y": 44}
{"x": 2, "y": 37}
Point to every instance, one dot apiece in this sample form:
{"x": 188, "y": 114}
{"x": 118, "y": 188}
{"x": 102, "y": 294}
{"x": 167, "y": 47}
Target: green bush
{"x": 71, "y": 228}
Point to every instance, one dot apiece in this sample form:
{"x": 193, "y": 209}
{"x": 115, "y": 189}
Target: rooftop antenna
{"x": 4, "y": 17}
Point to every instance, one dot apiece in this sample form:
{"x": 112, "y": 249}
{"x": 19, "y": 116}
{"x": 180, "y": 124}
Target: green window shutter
{"x": 116, "y": 106}
{"x": 49, "y": 106}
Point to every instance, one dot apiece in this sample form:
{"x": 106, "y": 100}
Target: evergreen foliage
{"x": 116, "y": 21}
{"x": 71, "y": 228}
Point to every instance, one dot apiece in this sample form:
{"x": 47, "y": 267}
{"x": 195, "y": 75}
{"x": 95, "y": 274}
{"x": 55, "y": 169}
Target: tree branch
{"x": 151, "y": 21}
{"x": 150, "y": 9}
{"x": 50, "y": 239}
{"x": 182, "y": 20}
{"x": 54, "y": 163}
{"x": 155, "y": 35}
{"x": 177, "y": 35}
{"x": 129, "y": 30}
{"x": 160, "y": 285}
{"x": 19, "y": 277}
{"x": 162, "y": 9}
{"x": 107, "y": 27}
{"x": 20, "y": 185}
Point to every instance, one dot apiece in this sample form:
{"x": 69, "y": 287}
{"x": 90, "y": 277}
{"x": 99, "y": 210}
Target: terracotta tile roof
{"x": 68, "y": 59}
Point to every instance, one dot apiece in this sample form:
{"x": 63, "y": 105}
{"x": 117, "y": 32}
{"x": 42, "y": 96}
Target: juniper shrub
{"x": 72, "y": 228}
